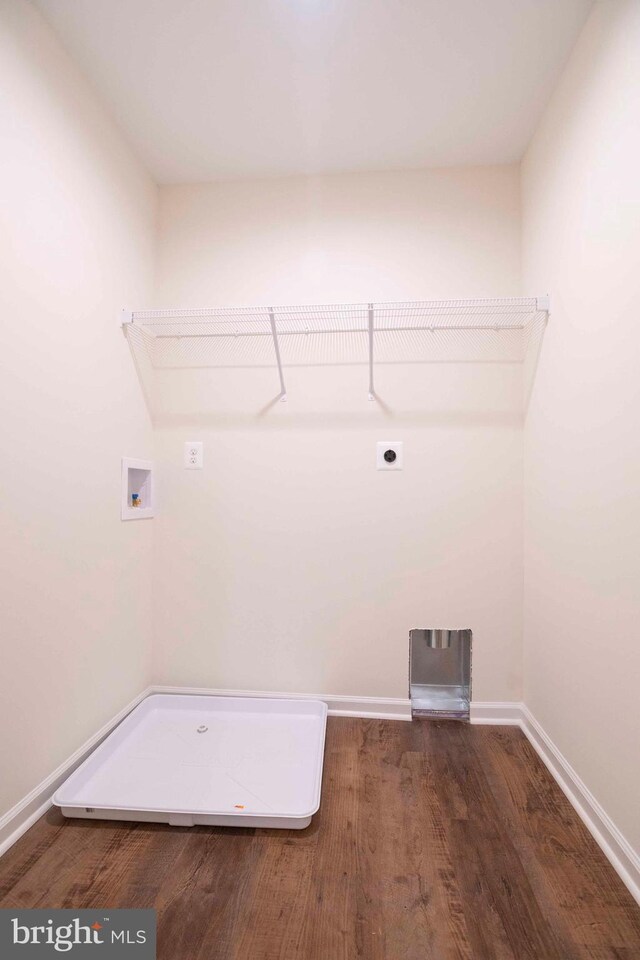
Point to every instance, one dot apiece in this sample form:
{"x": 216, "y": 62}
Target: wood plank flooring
{"x": 435, "y": 841}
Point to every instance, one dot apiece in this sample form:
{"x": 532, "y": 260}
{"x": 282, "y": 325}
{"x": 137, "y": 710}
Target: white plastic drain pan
{"x": 220, "y": 761}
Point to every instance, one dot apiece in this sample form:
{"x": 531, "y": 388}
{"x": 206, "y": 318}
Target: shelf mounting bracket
{"x": 543, "y": 304}
{"x": 372, "y": 394}
{"x": 276, "y": 347}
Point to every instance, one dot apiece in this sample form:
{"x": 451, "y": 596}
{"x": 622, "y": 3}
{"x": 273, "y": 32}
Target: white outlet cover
{"x": 389, "y": 447}
{"x": 193, "y": 455}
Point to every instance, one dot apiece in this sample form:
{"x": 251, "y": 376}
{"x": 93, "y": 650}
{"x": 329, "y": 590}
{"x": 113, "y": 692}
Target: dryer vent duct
{"x": 440, "y": 673}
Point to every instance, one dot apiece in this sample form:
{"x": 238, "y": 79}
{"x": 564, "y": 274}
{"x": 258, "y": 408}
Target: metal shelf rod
{"x": 433, "y": 328}
{"x": 372, "y": 395}
{"x": 276, "y": 345}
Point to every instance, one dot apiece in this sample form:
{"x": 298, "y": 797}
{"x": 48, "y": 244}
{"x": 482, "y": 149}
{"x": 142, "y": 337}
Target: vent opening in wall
{"x": 440, "y": 673}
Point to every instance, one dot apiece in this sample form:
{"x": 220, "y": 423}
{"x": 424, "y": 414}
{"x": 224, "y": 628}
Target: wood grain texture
{"x": 435, "y": 841}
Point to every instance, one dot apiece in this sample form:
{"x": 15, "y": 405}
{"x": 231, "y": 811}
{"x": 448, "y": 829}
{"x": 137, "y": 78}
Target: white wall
{"x": 581, "y": 203}
{"x": 289, "y": 563}
{"x": 76, "y": 242}
{"x": 355, "y": 237}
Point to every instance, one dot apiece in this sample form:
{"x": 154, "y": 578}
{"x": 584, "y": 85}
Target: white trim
{"x": 25, "y": 813}
{"x": 375, "y": 708}
{"x": 617, "y": 849}
{"x": 501, "y": 712}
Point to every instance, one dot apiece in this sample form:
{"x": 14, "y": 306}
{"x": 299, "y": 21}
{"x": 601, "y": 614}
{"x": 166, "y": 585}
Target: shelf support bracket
{"x": 542, "y": 304}
{"x": 372, "y": 394}
{"x": 276, "y": 347}
{"x": 125, "y": 318}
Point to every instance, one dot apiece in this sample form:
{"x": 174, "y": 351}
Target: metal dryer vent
{"x": 440, "y": 673}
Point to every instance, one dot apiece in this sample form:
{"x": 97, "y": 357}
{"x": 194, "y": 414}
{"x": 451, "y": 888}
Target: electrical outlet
{"x": 389, "y": 455}
{"x": 193, "y": 455}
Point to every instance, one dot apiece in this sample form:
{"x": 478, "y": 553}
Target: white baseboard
{"x": 501, "y": 713}
{"x": 375, "y": 708}
{"x": 24, "y": 814}
{"x": 618, "y": 851}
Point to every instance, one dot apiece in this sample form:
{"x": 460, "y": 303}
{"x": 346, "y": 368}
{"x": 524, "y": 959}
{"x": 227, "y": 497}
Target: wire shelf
{"x": 497, "y": 330}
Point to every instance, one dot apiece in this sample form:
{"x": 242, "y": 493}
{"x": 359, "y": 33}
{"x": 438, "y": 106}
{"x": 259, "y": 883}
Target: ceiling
{"x": 217, "y": 89}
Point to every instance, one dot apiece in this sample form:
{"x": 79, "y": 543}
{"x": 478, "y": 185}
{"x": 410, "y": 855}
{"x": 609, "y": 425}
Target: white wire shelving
{"x": 497, "y": 330}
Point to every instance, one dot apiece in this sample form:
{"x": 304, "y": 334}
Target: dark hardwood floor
{"x": 434, "y": 841}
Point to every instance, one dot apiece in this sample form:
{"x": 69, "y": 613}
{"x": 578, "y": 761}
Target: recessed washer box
{"x": 218, "y": 761}
{"x": 138, "y": 497}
